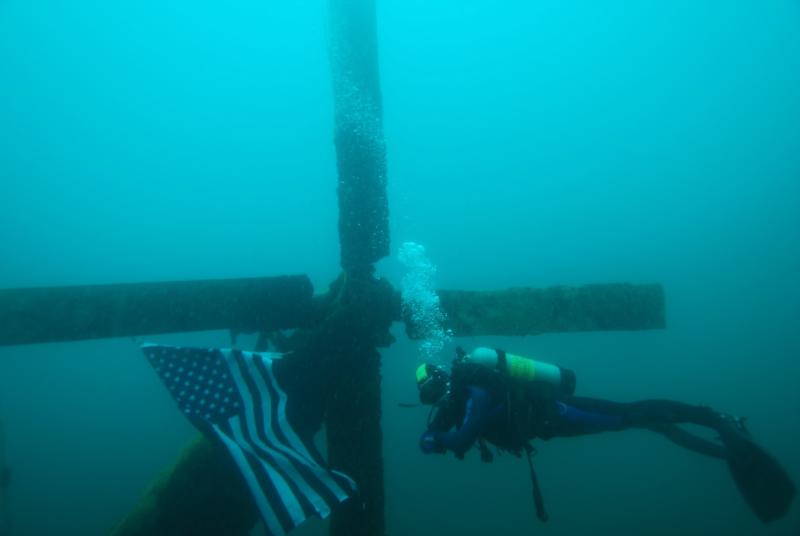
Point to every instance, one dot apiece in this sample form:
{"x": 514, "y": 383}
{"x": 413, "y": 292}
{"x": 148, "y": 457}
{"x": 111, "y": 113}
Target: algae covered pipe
{"x": 525, "y": 311}
{"x": 355, "y": 438}
{"x": 56, "y": 314}
{"x": 358, "y": 134}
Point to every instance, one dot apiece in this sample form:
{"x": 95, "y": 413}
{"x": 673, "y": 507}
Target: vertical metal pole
{"x": 353, "y": 413}
{"x": 355, "y": 444}
{"x": 358, "y": 133}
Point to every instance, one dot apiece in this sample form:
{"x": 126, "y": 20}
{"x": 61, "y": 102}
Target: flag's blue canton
{"x": 199, "y": 381}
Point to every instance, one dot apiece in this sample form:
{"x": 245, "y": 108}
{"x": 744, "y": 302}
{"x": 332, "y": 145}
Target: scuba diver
{"x": 509, "y": 400}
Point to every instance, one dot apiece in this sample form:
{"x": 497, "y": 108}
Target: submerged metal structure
{"x": 338, "y": 333}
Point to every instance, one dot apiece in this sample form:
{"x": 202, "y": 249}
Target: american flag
{"x": 235, "y": 395}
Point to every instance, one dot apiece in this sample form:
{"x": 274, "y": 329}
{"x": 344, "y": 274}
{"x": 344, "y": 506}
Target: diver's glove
{"x": 429, "y": 445}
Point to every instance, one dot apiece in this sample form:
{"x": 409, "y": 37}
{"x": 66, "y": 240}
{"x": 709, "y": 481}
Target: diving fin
{"x": 764, "y": 484}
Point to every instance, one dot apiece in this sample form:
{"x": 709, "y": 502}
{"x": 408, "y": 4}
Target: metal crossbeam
{"x": 530, "y": 311}
{"x": 39, "y": 315}
{"x": 57, "y": 314}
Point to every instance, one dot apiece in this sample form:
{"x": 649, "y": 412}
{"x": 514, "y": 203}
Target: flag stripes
{"x": 235, "y": 395}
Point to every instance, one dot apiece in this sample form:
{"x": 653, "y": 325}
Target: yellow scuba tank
{"x": 523, "y": 369}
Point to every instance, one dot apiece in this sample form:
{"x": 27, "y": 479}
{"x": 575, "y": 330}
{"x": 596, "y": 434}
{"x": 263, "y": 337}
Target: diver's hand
{"x": 429, "y": 445}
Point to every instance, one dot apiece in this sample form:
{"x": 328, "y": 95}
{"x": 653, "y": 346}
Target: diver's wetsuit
{"x": 471, "y": 412}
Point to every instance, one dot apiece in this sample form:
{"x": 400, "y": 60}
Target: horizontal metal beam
{"x": 530, "y": 311}
{"x": 39, "y": 315}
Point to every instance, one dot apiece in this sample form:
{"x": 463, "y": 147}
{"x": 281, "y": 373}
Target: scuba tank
{"x": 522, "y": 369}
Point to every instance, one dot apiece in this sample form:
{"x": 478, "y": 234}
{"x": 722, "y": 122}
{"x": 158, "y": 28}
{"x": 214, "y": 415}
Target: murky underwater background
{"x": 529, "y": 143}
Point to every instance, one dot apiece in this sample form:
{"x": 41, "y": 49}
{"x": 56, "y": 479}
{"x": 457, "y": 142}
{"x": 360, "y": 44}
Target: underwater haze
{"x": 529, "y": 143}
